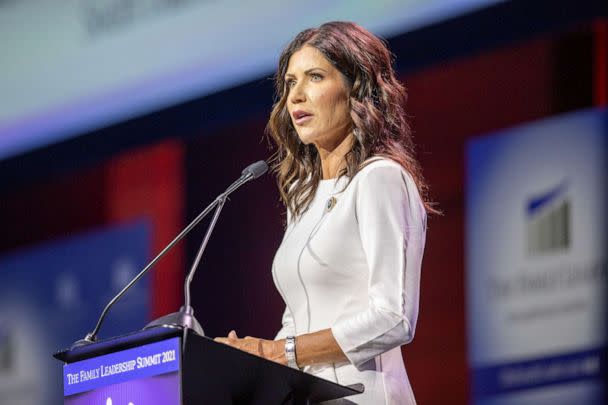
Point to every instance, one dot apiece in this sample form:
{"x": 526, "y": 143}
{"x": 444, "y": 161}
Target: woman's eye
{"x": 315, "y": 77}
{"x": 290, "y": 83}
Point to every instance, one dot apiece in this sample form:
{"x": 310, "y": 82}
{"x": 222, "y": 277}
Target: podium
{"x": 171, "y": 366}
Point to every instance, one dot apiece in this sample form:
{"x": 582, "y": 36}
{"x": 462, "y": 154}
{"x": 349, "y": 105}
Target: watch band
{"x": 290, "y": 352}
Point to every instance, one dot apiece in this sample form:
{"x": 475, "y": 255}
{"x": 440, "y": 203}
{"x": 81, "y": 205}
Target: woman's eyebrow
{"x": 305, "y": 72}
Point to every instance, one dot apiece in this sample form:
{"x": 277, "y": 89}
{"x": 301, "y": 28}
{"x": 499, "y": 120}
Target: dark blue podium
{"x": 171, "y": 367}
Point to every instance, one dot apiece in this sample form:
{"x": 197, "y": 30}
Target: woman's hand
{"x": 269, "y": 349}
{"x": 311, "y": 348}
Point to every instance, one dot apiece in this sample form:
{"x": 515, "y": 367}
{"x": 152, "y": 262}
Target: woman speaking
{"x": 348, "y": 267}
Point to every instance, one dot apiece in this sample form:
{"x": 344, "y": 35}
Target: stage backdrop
{"x": 536, "y": 262}
{"x": 51, "y": 296}
{"x": 73, "y": 66}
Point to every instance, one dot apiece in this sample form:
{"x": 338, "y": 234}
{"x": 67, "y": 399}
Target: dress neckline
{"x": 330, "y": 186}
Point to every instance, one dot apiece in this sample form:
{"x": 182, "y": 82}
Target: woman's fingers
{"x": 251, "y": 345}
{"x": 227, "y": 340}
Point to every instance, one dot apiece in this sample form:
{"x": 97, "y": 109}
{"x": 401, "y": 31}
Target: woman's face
{"x": 317, "y": 99}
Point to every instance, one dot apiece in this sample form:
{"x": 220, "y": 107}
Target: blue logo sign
{"x": 114, "y": 368}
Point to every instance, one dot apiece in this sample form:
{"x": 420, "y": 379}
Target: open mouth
{"x": 301, "y": 117}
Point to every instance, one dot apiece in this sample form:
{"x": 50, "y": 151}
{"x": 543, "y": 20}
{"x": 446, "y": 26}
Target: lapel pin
{"x": 330, "y": 204}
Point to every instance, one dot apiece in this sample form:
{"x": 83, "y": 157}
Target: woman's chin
{"x": 306, "y": 139}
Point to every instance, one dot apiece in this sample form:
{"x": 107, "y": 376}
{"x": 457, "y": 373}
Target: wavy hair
{"x": 376, "y": 100}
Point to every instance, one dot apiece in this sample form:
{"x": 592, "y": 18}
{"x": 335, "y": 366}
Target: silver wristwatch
{"x": 290, "y": 352}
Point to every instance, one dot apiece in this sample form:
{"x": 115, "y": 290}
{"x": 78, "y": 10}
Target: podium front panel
{"x": 147, "y": 374}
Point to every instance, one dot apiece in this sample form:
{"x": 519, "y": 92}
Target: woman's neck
{"x": 333, "y": 159}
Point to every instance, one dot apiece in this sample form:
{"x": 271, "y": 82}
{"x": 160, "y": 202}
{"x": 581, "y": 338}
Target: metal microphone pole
{"x": 185, "y": 318}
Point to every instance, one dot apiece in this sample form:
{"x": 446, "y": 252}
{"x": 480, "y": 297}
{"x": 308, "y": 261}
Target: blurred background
{"x": 121, "y": 120}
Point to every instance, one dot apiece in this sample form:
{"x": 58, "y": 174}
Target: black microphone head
{"x": 256, "y": 169}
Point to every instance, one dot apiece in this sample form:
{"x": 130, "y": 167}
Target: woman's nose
{"x": 296, "y": 94}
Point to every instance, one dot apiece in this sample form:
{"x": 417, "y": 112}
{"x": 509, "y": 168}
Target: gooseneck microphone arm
{"x": 184, "y": 318}
{"x": 251, "y": 172}
{"x": 220, "y": 204}
{"x": 220, "y": 201}
{"x": 92, "y": 336}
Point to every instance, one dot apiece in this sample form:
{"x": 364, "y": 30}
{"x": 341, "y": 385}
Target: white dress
{"x": 353, "y": 265}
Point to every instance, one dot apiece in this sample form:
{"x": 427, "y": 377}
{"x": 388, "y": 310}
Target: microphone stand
{"x": 184, "y": 318}
{"x": 91, "y": 337}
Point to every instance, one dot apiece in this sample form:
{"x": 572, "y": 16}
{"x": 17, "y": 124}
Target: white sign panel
{"x": 536, "y": 261}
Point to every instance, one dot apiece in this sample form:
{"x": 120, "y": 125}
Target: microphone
{"x": 184, "y": 318}
{"x": 256, "y": 169}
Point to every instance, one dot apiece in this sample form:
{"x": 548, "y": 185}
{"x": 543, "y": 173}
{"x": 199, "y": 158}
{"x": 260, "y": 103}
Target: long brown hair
{"x": 377, "y": 112}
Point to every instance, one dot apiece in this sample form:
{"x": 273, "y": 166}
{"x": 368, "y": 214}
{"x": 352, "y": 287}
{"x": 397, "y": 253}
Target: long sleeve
{"x": 392, "y": 226}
